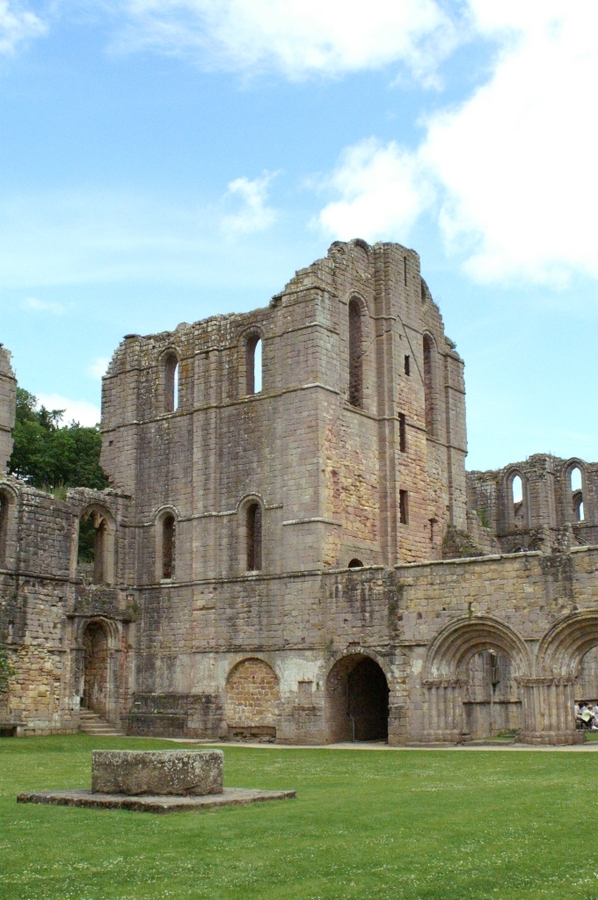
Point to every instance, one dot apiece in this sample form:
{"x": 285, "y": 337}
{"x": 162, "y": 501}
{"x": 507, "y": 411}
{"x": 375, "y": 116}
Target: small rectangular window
{"x": 405, "y": 268}
{"x": 403, "y": 508}
{"x": 402, "y": 433}
{"x": 407, "y": 365}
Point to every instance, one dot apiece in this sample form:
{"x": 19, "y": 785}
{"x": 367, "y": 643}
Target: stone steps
{"x": 94, "y": 724}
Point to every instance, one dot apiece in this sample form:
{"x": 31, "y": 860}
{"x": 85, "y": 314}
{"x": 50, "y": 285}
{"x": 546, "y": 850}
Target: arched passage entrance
{"x": 356, "y": 700}
{"x": 95, "y": 669}
{"x": 567, "y": 671}
{"x": 472, "y": 676}
{"x": 491, "y": 703}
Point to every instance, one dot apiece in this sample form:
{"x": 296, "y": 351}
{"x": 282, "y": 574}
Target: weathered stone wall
{"x": 301, "y": 626}
{"x": 45, "y": 607}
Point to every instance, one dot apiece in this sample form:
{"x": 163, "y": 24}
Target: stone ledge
{"x": 153, "y": 803}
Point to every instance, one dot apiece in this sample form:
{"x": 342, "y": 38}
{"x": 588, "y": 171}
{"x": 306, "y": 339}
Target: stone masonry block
{"x": 171, "y": 772}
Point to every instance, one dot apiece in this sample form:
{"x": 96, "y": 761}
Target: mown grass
{"x": 412, "y": 825}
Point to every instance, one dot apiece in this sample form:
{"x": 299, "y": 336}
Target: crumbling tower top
{"x": 8, "y": 402}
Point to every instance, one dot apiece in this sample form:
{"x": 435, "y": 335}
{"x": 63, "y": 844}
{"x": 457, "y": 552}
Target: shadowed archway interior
{"x": 357, "y": 700}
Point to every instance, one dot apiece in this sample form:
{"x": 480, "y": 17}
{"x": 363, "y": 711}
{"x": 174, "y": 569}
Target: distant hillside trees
{"x": 52, "y": 456}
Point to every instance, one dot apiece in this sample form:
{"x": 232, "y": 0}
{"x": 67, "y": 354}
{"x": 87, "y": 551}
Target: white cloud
{"x": 295, "y": 37}
{"x": 75, "y": 410}
{"x": 253, "y": 213}
{"x": 97, "y": 369}
{"x": 33, "y": 303}
{"x": 17, "y": 25}
{"x": 513, "y": 168}
{"x": 382, "y": 191}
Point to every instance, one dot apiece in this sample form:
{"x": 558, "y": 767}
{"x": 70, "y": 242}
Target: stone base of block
{"x": 153, "y": 803}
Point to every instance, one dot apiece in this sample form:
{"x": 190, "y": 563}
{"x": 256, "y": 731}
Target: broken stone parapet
{"x": 181, "y": 773}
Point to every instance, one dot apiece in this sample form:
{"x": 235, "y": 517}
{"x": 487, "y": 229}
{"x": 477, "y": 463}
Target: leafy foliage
{"x": 52, "y": 456}
{"x": 6, "y": 670}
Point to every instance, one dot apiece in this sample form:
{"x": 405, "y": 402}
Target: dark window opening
{"x": 355, "y": 564}
{"x": 3, "y": 527}
{"x": 254, "y": 537}
{"x": 92, "y": 548}
{"x": 433, "y": 524}
{"x": 253, "y": 364}
{"x": 402, "y": 433}
{"x": 407, "y": 365}
{"x": 403, "y": 508}
{"x": 171, "y": 383}
{"x": 168, "y": 546}
{"x": 428, "y": 384}
{"x": 355, "y": 355}
{"x": 405, "y": 269}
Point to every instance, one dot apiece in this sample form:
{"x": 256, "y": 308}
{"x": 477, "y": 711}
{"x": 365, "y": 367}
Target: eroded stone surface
{"x": 165, "y": 772}
{"x": 153, "y": 804}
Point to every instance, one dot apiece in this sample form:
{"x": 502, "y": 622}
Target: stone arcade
{"x": 306, "y": 559}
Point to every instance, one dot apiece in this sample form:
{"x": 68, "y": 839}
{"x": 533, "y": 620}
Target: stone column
{"x": 548, "y": 715}
{"x": 444, "y": 702}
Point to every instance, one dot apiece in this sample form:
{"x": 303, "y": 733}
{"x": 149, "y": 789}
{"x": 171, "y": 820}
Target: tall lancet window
{"x": 355, "y": 355}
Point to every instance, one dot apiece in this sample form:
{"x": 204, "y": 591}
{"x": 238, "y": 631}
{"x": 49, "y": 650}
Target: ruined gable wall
{"x": 546, "y": 517}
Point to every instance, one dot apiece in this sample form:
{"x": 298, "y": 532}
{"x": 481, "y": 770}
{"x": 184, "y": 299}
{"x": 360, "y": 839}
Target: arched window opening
{"x": 254, "y": 364}
{"x": 3, "y": 527}
{"x": 356, "y": 564}
{"x": 429, "y": 384}
{"x": 516, "y": 492}
{"x": 516, "y": 495}
{"x": 94, "y": 551}
{"x": 171, "y": 383}
{"x": 355, "y": 355}
{"x": 168, "y": 546}
{"x": 254, "y": 537}
{"x": 576, "y": 485}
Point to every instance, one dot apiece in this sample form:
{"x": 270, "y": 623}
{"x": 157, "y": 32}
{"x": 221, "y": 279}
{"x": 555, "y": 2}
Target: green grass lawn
{"x": 412, "y": 825}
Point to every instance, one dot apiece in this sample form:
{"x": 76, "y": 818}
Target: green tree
{"x": 49, "y": 455}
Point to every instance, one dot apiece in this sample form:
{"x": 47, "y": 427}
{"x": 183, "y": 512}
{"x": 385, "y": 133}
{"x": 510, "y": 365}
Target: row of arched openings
{"x": 96, "y": 543}
{"x": 573, "y": 488}
{"x": 171, "y": 368}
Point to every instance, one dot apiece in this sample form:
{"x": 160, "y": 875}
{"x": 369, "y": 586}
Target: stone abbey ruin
{"x": 303, "y": 559}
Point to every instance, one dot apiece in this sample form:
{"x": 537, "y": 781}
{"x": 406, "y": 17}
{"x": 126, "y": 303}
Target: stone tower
{"x": 352, "y": 451}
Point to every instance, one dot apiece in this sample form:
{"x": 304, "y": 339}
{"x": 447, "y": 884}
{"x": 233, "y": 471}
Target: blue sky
{"x": 165, "y": 160}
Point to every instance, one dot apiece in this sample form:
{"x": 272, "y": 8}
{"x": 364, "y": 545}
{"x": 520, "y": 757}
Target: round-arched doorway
{"x": 356, "y": 700}
{"x": 95, "y": 669}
